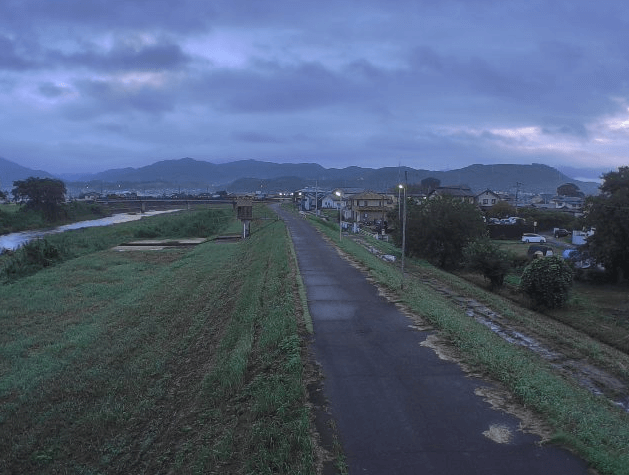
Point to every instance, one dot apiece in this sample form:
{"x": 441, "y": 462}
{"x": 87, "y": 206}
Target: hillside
{"x": 10, "y": 172}
{"x": 254, "y": 175}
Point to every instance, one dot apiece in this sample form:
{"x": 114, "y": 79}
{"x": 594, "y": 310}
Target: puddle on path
{"x": 499, "y": 434}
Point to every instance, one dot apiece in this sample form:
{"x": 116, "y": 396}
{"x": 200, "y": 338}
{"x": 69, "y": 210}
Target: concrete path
{"x": 398, "y": 407}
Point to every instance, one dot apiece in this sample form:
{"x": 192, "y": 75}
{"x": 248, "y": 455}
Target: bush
{"x": 593, "y": 276}
{"x": 485, "y": 257}
{"x": 547, "y": 282}
{"x": 30, "y": 258}
{"x": 519, "y": 261}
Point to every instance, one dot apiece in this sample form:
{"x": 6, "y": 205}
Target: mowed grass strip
{"x": 171, "y": 361}
{"x": 590, "y": 425}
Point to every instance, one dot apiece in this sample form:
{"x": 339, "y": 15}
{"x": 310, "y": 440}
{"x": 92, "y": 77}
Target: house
{"x": 487, "y": 199}
{"x": 309, "y": 199}
{"x": 332, "y": 200}
{"x": 370, "y": 206}
{"x": 462, "y": 192}
{"x": 569, "y": 203}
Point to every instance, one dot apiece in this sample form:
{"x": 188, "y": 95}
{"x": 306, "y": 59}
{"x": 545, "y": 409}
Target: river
{"x": 14, "y": 240}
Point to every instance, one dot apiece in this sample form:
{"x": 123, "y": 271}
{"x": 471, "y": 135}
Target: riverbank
{"x": 14, "y": 218}
{"x": 179, "y": 361}
{"x": 56, "y": 248}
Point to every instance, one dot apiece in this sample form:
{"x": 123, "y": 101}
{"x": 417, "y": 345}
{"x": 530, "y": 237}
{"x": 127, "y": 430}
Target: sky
{"x": 90, "y": 85}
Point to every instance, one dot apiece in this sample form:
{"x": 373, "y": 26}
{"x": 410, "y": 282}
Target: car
{"x": 560, "y": 232}
{"x": 530, "y": 237}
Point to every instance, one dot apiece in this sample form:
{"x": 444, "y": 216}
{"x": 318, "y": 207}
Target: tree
{"x": 547, "y": 281}
{"x": 439, "y": 229}
{"x": 41, "y": 194}
{"x": 485, "y": 257}
{"x": 502, "y": 209}
{"x": 3, "y": 195}
{"x": 429, "y": 184}
{"x": 569, "y": 189}
{"x": 608, "y": 213}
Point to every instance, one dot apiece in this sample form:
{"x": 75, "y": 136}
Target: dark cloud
{"x": 10, "y": 58}
{"x": 51, "y": 90}
{"x": 125, "y": 56}
{"x": 183, "y": 15}
{"x": 256, "y": 137}
{"x": 272, "y": 88}
{"x": 565, "y": 127}
{"x": 101, "y": 98}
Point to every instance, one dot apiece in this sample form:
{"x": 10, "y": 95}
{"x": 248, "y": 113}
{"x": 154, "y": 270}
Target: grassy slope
{"x": 596, "y": 429}
{"x": 154, "y": 362}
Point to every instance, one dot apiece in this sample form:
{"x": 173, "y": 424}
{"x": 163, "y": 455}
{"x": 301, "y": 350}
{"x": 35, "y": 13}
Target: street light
{"x": 403, "y": 233}
{"x": 338, "y": 193}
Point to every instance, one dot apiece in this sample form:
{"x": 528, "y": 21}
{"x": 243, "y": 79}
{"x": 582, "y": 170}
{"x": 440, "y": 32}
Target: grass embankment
{"x": 56, "y": 248}
{"x": 590, "y": 425}
{"x": 156, "y": 362}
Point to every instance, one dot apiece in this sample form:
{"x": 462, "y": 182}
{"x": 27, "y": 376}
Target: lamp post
{"x": 338, "y": 193}
{"x": 403, "y": 233}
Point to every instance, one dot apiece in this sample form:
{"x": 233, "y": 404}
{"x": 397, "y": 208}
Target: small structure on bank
{"x": 244, "y": 209}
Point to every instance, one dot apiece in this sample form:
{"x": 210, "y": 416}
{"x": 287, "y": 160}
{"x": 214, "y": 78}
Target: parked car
{"x": 534, "y": 248}
{"x": 560, "y": 232}
{"x": 530, "y": 237}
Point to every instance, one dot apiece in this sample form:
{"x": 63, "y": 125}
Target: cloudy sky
{"x": 88, "y": 85}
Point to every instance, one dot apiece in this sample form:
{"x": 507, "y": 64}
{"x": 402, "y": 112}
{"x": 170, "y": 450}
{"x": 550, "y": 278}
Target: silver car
{"x": 530, "y": 237}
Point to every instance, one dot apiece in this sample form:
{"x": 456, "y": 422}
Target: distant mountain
{"x": 10, "y": 172}
{"x": 254, "y": 175}
{"x": 187, "y": 171}
{"x": 535, "y": 178}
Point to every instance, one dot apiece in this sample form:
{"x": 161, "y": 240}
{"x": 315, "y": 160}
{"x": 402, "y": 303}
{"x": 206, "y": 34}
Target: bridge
{"x": 142, "y": 205}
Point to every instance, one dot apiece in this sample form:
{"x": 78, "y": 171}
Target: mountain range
{"x": 254, "y": 175}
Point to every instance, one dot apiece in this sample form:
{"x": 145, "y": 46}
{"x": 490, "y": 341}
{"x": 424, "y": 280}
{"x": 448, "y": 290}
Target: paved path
{"x": 398, "y": 407}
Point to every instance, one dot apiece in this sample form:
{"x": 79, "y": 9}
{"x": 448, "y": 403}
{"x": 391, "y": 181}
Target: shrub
{"x": 547, "y": 281}
{"x": 487, "y": 258}
{"x": 30, "y": 258}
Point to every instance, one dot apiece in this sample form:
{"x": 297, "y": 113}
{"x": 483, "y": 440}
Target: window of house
{"x": 485, "y": 201}
{"x": 493, "y": 201}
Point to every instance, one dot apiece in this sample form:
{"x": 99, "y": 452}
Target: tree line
{"x": 451, "y": 233}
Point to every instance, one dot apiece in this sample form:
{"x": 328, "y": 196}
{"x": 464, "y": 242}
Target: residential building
{"x": 487, "y": 199}
{"x": 462, "y": 192}
{"x": 370, "y": 206}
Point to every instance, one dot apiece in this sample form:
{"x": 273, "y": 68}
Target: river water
{"x": 14, "y": 240}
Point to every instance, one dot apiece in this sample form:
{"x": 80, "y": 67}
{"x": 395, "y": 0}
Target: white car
{"x": 530, "y": 237}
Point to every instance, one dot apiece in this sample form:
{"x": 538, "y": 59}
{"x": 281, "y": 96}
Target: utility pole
{"x": 517, "y": 191}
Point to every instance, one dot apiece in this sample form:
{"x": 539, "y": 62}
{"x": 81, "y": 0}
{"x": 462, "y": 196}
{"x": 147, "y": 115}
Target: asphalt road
{"x": 399, "y": 408}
